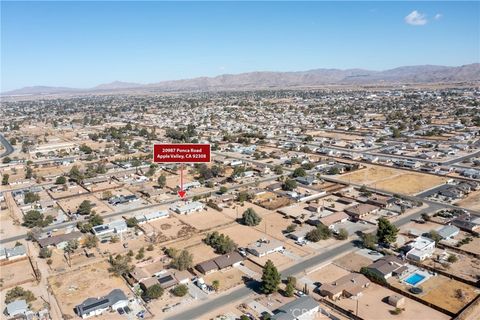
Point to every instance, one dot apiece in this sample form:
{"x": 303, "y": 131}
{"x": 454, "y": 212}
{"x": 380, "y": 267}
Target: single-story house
{"x": 360, "y": 211}
{"x": 448, "y": 232}
{"x": 96, "y": 306}
{"x": 60, "y": 241}
{"x": 17, "y": 307}
{"x": 302, "y": 308}
{"x": 350, "y": 285}
{"x": 388, "y": 266}
{"x": 187, "y": 208}
{"x": 337, "y": 217}
{"x": 263, "y": 247}
{"x": 148, "y": 282}
{"x": 220, "y": 263}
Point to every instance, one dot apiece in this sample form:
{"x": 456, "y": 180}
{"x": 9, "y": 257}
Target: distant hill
{"x": 261, "y": 80}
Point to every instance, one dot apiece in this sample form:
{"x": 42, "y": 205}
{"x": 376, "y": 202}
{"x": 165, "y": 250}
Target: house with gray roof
{"x": 448, "y": 232}
{"x": 16, "y": 308}
{"x": 96, "y": 306}
{"x": 302, "y": 308}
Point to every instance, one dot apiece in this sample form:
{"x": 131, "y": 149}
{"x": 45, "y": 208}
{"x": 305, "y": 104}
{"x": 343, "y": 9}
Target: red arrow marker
{"x": 181, "y": 192}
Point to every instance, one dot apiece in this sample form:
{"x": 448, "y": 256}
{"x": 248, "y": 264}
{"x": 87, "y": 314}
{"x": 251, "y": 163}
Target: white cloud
{"x": 438, "y": 16}
{"x": 416, "y": 18}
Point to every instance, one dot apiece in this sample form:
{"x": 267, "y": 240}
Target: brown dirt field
{"x": 410, "y": 183}
{"x": 228, "y": 278}
{"x": 471, "y": 202}
{"x": 200, "y": 251}
{"x": 393, "y": 180}
{"x": 169, "y": 227}
{"x": 73, "y": 204}
{"x": 279, "y": 260}
{"x": 370, "y": 306}
{"x": 370, "y": 174}
{"x": 473, "y": 246}
{"x": 353, "y": 262}
{"x": 73, "y": 287}
{"x": 205, "y": 219}
{"x": 15, "y": 273}
{"x": 276, "y": 203}
{"x": 327, "y": 274}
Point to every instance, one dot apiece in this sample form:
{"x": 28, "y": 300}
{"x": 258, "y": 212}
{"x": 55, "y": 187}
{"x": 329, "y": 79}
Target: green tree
{"x": 452, "y": 258}
{"x": 33, "y": 218}
{"x": 154, "y": 292}
{"x": 162, "y": 181}
{"x": 31, "y": 197}
{"x": 289, "y": 185}
{"x": 291, "y": 227}
{"x": 215, "y": 285}
{"x": 223, "y": 190}
{"x": 180, "y": 290}
{"x": 289, "y": 290}
{"x": 18, "y": 293}
{"x": 6, "y": 160}
{"x": 244, "y": 196}
{"x": 435, "y": 236}
{"x": 369, "y": 240}
{"x": 251, "y": 218}
{"x": 120, "y": 265}
{"x": 278, "y": 169}
{"x": 90, "y": 241}
{"x": 61, "y": 180}
{"x": 75, "y": 174}
{"x": 299, "y": 172}
{"x": 321, "y": 232}
{"x": 270, "y": 278}
{"x": 28, "y": 173}
{"x": 141, "y": 254}
{"x": 220, "y": 242}
{"x": 132, "y": 222}
{"x": 5, "y": 178}
{"x": 95, "y": 220}
{"x": 386, "y": 232}
{"x": 183, "y": 261}
{"x": 85, "y": 207}
{"x": 342, "y": 234}
{"x": 45, "y": 253}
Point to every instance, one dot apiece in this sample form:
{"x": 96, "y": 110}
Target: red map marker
{"x": 181, "y": 192}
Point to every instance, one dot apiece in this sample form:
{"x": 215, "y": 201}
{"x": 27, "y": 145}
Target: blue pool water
{"x": 414, "y": 279}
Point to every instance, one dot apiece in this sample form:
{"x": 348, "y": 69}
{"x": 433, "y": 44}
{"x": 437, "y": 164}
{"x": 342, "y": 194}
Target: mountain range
{"x": 422, "y": 74}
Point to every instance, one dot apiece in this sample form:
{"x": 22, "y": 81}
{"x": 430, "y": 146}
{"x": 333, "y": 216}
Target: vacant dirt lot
{"x": 410, "y": 183}
{"x": 228, "y": 278}
{"x": 327, "y": 274}
{"x": 16, "y": 273}
{"x": 72, "y": 205}
{"x": 205, "y": 219}
{"x": 393, "y": 180}
{"x": 471, "y": 202}
{"x": 72, "y": 288}
{"x": 370, "y": 174}
{"x": 353, "y": 261}
{"x": 371, "y": 306}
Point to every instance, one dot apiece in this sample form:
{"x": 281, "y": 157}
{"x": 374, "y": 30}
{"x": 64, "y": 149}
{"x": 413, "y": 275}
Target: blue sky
{"x": 83, "y": 44}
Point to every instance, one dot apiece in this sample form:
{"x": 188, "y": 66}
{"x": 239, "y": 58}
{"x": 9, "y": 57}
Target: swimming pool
{"x": 414, "y": 279}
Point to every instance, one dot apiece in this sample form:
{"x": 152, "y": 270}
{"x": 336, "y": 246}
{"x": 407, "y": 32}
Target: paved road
{"x": 125, "y": 212}
{"x": 8, "y": 147}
